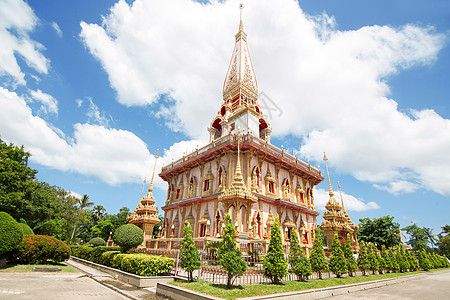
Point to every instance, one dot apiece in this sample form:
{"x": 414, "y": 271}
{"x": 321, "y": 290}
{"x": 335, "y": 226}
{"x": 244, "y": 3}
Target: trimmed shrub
{"x": 350, "y": 259}
{"x": 373, "y": 260}
{"x": 363, "y": 258}
{"x": 189, "y": 255}
{"x": 338, "y": 263}
{"x": 10, "y": 233}
{"x": 128, "y": 236}
{"x": 38, "y": 249}
{"x": 107, "y": 257}
{"x": 317, "y": 258}
{"x": 97, "y": 241}
{"x": 25, "y": 229}
{"x": 300, "y": 264}
{"x": 275, "y": 265}
{"x": 229, "y": 256}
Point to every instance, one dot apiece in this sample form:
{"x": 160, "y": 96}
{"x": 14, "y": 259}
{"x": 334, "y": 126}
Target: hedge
{"x": 144, "y": 265}
{"x": 10, "y": 233}
{"x": 38, "y": 249}
{"x": 139, "y": 264}
{"x": 107, "y": 258}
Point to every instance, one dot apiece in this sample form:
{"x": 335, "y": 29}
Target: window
{"x": 271, "y": 187}
{"x": 178, "y": 193}
{"x": 206, "y": 185}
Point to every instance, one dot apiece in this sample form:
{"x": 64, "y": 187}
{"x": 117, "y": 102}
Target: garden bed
{"x": 309, "y": 289}
{"x": 135, "y": 280}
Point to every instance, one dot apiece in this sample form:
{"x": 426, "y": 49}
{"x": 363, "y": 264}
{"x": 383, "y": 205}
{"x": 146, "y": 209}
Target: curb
{"x": 179, "y": 293}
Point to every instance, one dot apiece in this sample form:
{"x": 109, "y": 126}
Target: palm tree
{"x": 431, "y": 237}
{"x": 84, "y": 202}
{"x": 97, "y": 213}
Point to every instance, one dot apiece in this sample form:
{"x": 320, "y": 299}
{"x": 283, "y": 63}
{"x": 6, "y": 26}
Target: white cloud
{"x": 17, "y": 19}
{"x": 79, "y": 102}
{"x": 311, "y": 70}
{"x": 58, "y": 31}
{"x": 114, "y": 156}
{"x": 48, "y": 103}
{"x": 75, "y": 194}
{"x": 351, "y": 203}
{"x": 95, "y": 115}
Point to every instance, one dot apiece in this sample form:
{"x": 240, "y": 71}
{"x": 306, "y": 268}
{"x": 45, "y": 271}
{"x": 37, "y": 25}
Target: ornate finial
{"x": 150, "y": 189}
{"x": 325, "y": 158}
{"x": 241, "y": 26}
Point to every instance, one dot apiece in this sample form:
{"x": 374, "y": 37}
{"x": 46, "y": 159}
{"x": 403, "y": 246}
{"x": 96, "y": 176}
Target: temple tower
{"x": 239, "y": 172}
{"x": 336, "y": 220}
{"x": 145, "y": 216}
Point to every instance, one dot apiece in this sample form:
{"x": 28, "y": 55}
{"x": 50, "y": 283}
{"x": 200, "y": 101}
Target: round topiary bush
{"x": 25, "y": 229}
{"x": 10, "y": 233}
{"x": 97, "y": 241}
{"x": 128, "y": 236}
{"x": 37, "y": 249}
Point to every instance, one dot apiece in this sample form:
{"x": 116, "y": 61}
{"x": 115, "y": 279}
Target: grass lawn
{"x": 219, "y": 290}
{"x": 29, "y": 268}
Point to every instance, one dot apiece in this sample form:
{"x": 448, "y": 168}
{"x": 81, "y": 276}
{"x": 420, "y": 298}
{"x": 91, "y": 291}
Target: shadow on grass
{"x": 224, "y": 287}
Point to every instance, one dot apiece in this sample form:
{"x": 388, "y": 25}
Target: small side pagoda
{"x": 145, "y": 216}
{"x": 336, "y": 219}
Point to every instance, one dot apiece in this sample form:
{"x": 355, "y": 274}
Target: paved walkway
{"x": 435, "y": 285}
{"x": 90, "y": 284}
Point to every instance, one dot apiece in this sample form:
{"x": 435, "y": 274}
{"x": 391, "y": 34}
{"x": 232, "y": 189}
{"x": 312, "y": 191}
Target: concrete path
{"x": 53, "y": 286}
{"x": 89, "y": 284}
{"x": 435, "y": 285}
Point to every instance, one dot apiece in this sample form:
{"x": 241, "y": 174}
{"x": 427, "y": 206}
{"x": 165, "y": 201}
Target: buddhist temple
{"x": 336, "y": 219}
{"x": 145, "y": 216}
{"x": 239, "y": 172}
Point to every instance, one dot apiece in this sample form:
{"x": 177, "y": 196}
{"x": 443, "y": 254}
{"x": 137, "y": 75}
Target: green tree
{"x": 189, "y": 255}
{"x": 418, "y": 237}
{"x": 402, "y": 261}
{"x": 393, "y": 258}
{"x": 338, "y": 264}
{"x": 414, "y": 265}
{"x": 275, "y": 265}
{"x": 381, "y": 264}
{"x": 387, "y": 260}
{"x": 349, "y": 258}
{"x": 15, "y": 179}
{"x": 300, "y": 264}
{"x": 363, "y": 258}
{"x": 444, "y": 245}
{"x": 380, "y": 231}
{"x": 424, "y": 263}
{"x": 373, "y": 259}
{"x": 317, "y": 258}
{"x": 230, "y": 257}
{"x": 84, "y": 202}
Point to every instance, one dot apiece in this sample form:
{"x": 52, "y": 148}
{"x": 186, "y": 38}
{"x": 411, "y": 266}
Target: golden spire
{"x": 150, "y": 189}
{"x": 238, "y": 189}
{"x": 325, "y": 158}
{"x": 240, "y": 81}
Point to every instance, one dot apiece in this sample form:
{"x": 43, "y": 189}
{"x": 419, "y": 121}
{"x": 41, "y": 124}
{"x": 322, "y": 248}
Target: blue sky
{"x": 93, "y": 88}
